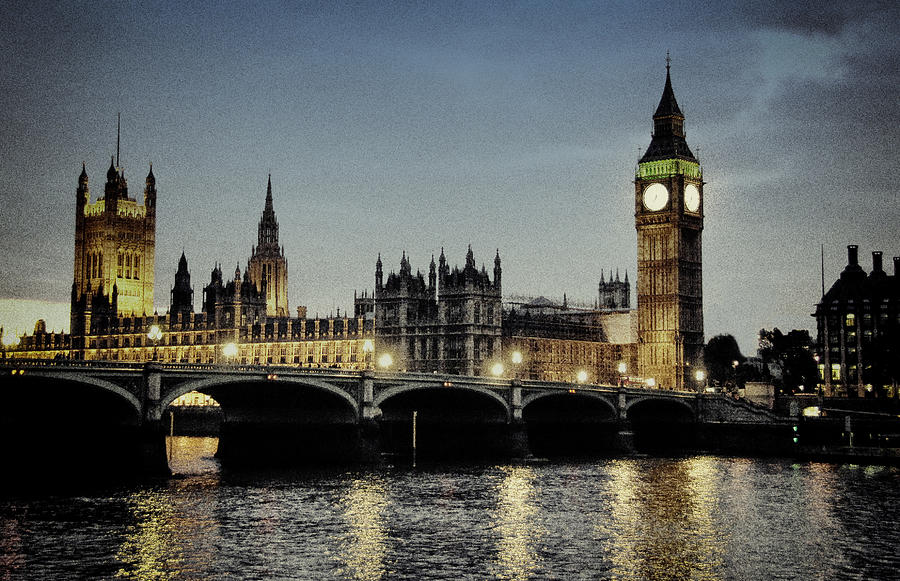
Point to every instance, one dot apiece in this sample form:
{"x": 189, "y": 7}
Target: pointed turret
{"x": 668, "y": 128}
{"x": 268, "y": 225}
{"x": 432, "y": 274}
{"x": 379, "y": 273}
{"x": 497, "y": 270}
{"x": 182, "y": 293}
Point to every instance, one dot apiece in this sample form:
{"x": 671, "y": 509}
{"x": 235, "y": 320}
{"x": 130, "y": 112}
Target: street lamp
{"x": 701, "y": 380}
{"x": 154, "y": 335}
{"x": 582, "y": 376}
{"x": 819, "y": 375}
{"x": 368, "y": 349}
{"x": 623, "y": 369}
{"x": 497, "y": 369}
{"x": 385, "y": 360}
{"x": 651, "y": 383}
{"x": 230, "y": 351}
{"x": 516, "y": 359}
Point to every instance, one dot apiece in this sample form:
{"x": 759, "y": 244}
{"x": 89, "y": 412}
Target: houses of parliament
{"x": 454, "y": 319}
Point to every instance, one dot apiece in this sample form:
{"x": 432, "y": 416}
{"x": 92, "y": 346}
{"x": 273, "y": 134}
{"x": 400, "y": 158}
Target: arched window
{"x": 128, "y": 265}
{"x": 119, "y": 265}
{"x": 136, "y": 271}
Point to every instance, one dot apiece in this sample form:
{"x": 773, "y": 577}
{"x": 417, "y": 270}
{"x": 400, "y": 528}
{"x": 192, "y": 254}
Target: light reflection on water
{"x": 638, "y": 518}
{"x": 519, "y": 529}
{"x": 364, "y": 547}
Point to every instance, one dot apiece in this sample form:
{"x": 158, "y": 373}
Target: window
{"x": 850, "y": 320}
{"x": 835, "y": 372}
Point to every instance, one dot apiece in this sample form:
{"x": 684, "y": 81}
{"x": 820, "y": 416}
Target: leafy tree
{"x": 792, "y": 355}
{"x": 719, "y": 356}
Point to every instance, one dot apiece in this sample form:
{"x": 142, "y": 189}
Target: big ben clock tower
{"x": 668, "y": 216}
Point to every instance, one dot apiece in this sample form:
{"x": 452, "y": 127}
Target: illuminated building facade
{"x": 115, "y": 242}
{"x": 448, "y": 321}
{"x": 668, "y": 205}
{"x": 858, "y": 323}
{"x": 267, "y": 265}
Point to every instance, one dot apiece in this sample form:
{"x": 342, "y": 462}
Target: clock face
{"x": 691, "y": 198}
{"x": 655, "y": 197}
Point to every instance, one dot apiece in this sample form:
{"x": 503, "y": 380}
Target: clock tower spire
{"x": 668, "y": 215}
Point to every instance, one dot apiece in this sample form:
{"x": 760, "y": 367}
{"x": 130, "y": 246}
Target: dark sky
{"x": 421, "y": 126}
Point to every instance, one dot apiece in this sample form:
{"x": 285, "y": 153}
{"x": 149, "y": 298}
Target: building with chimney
{"x": 858, "y": 323}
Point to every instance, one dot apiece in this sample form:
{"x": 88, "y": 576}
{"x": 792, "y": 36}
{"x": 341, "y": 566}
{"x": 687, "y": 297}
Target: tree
{"x": 719, "y": 356}
{"x": 792, "y": 355}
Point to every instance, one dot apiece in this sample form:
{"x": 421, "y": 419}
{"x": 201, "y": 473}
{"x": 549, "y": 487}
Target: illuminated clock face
{"x": 655, "y": 197}
{"x": 691, "y": 198}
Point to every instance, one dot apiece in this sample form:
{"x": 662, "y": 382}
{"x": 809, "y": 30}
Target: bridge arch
{"x": 212, "y": 382}
{"x": 398, "y": 389}
{"x": 593, "y": 396}
{"x": 680, "y": 405}
{"x": 86, "y": 380}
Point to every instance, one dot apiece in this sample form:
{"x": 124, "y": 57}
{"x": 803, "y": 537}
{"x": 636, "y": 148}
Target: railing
{"x": 290, "y": 370}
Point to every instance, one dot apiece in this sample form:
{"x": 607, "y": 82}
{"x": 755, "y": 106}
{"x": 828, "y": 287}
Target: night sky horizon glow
{"x": 416, "y": 127}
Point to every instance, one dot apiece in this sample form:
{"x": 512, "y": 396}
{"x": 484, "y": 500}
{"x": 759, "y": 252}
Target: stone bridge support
{"x": 624, "y": 440}
{"x": 152, "y": 435}
{"x": 518, "y": 434}
{"x": 369, "y": 430}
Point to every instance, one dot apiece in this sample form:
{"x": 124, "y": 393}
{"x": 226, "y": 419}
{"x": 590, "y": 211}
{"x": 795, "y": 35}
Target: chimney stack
{"x": 852, "y": 255}
{"x": 876, "y": 262}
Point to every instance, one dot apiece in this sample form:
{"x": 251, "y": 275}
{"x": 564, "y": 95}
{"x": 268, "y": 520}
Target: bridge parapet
{"x": 721, "y": 408}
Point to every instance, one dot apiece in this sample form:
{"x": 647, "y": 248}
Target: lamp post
{"x": 368, "y": 348}
{"x": 734, "y": 366}
{"x": 230, "y": 351}
{"x": 623, "y": 369}
{"x": 497, "y": 369}
{"x": 701, "y": 380}
{"x": 155, "y": 334}
{"x": 582, "y": 376}
{"x": 816, "y": 357}
{"x": 385, "y": 360}
{"x": 516, "y": 359}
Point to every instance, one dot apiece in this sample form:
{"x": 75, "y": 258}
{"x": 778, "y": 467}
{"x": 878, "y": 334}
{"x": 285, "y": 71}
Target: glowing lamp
{"x": 155, "y": 334}
{"x": 516, "y": 357}
{"x": 230, "y": 350}
{"x": 582, "y": 376}
{"x": 497, "y": 369}
{"x": 385, "y": 360}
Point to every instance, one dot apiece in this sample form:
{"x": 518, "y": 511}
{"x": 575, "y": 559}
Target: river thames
{"x": 697, "y": 517}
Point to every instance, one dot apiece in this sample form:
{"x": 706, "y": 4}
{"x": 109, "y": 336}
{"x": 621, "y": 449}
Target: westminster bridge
{"x": 88, "y": 412}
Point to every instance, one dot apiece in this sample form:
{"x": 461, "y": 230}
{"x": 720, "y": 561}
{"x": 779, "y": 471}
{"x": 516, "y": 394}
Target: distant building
{"x": 267, "y": 265}
{"x": 451, "y": 324}
{"x": 858, "y": 323}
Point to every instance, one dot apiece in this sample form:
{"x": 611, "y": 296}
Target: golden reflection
{"x": 150, "y": 549}
{"x": 515, "y": 517}
{"x": 363, "y": 551}
{"x": 663, "y": 523}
